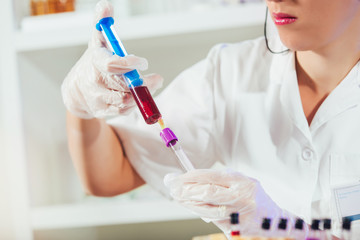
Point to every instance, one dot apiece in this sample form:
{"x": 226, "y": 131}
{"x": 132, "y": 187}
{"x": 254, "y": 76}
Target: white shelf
{"x": 72, "y": 29}
{"x": 106, "y": 213}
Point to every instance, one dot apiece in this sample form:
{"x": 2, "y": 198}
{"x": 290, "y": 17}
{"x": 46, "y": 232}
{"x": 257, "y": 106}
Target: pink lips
{"x": 283, "y": 18}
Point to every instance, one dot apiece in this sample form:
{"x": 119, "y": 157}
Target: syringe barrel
{"x": 140, "y": 93}
{"x": 146, "y": 104}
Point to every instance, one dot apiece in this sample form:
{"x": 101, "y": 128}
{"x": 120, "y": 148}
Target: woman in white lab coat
{"x": 286, "y": 124}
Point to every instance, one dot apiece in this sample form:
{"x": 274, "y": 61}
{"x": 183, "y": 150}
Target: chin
{"x": 296, "y": 43}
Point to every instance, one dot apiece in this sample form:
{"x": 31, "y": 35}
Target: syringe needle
{"x": 161, "y": 123}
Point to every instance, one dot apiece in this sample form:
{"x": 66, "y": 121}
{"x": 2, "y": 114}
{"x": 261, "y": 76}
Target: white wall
{"x": 14, "y": 222}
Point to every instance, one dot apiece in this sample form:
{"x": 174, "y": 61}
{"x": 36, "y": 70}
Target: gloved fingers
{"x": 189, "y": 189}
{"x": 195, "y": 176}
{"x": 169, "y": 178}
{"x": 216, "y": 199}
{"x": 214, "y": 195}
{"x": 119, "y": 99}
{"x": 102, "y": 101}
{"x": 113, "y": 110}
{"x": 209, "y": 212}
{"x": 153, "y": 82}
{"x": 209, "y": 184}
{"x": 102, "y": 9}
{"x": 215, "y": 212}
{"x": 223, "y": 178}
{"x": 92, "y": 80}
{"x": 205, "y": 192}
{"x": 106, "y": 62}
{"x": 114, "y": 82}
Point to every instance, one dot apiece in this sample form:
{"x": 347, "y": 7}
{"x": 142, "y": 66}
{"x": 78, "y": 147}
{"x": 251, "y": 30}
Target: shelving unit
{"x": 72, "y": 29}
{"x": 45, "y": 192}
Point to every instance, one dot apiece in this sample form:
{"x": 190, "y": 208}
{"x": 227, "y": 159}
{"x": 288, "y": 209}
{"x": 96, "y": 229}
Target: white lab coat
{"x": 241, "y": 107}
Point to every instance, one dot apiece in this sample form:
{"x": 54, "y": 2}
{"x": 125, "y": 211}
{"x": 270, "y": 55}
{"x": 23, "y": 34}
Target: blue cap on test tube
{"x": 106, "y": 26}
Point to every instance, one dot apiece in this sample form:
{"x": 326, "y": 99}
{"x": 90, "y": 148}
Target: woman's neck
{"x": 325, "y": 67}
{"x": 319, "y": 72}
{"x": 323, "y": 71}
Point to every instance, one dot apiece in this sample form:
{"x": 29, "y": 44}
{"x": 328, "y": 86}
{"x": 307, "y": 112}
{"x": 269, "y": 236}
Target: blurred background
{"x": 40, "y": 194}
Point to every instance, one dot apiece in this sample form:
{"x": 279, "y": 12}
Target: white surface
{"x": 13, "y": 194}
{"x": 71, "y": 29}
{"x": 107, "y": 213}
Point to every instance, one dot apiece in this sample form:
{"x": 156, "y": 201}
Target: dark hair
{"x": 266, "y": 39}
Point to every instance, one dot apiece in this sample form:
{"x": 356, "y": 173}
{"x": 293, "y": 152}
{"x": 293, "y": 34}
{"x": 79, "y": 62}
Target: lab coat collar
{"x": 283, "y": 74}
{"x": 345, "y": 96}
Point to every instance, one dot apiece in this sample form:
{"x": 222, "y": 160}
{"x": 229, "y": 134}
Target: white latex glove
{"x": 95, "y": 87}
{"x": 214, "y": 195}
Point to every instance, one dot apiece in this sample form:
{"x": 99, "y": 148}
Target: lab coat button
{"x": 307, "y": 154}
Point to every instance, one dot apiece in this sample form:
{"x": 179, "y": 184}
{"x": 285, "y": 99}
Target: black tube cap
{"x": 282, "y": 223}
{"x": 327, "y": 223}
{"x": 315, "y": 224}
{"x": 266, "y": 223}
{"x": 346, "y": 224}
{"x": 299, "y": 224}
{"x": 234, "y": 218}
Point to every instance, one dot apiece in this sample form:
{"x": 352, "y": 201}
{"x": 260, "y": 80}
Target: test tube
{"x": 140, "y": 93}
{"x": 282, "y": 227}
{"x": 171, "y": 141}
{"x": 314, "y": 230}
{"x": 299, "y": 232}
{"x": 327, "y": 228}
{"x": 181, "y": 156}
{"x": 346, "y": 229}
{"x": 265, "y": 228}
{"x": 234, "y": 225}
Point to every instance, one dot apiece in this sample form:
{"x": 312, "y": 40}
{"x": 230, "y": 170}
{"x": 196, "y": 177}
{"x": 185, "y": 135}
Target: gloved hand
{"x": 214, "y": 195}
{"x": 95, "y": 87}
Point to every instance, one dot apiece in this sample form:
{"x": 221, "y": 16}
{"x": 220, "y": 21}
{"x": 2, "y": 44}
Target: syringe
{"x": 141, "y": 94}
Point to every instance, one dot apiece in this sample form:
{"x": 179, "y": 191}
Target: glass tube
{"x": 181, "y": 156}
